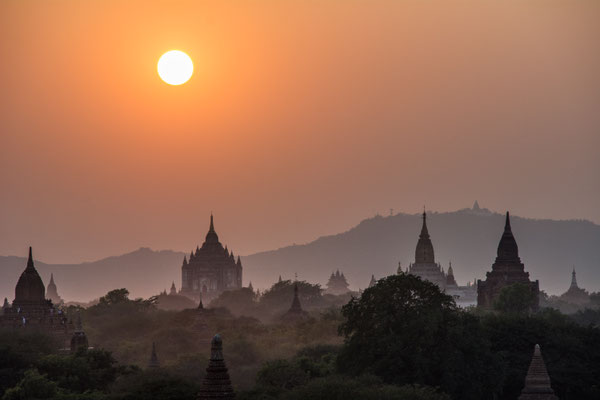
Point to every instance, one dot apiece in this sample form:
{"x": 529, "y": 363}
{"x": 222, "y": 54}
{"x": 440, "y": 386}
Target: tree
{"x": 517, "y": 298}
{"x": 406, "y": 331}
{"x": 279, "y": 297}
{"x": 32, "y": 386}
{"x": 115, "y": 296}
{"x": 238, "y": 301}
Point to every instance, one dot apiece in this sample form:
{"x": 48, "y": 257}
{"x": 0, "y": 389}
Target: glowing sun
{"x": 175, "y": 67}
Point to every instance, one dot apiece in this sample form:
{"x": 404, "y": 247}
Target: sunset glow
{"x": 175, "y": 67}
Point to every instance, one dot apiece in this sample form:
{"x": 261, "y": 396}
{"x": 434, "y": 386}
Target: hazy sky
{"x": 302, "y": 118}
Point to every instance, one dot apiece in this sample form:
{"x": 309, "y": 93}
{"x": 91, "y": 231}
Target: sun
{"x": 175, "y": 67}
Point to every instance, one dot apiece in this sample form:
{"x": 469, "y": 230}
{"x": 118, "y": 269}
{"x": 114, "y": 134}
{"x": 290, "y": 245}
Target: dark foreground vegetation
{"x": 401, "y": 339}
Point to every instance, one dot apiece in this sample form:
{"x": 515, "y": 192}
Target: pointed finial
{"x": 30, "y": 259}
{"x": 212, "y": 225}
{"x": 51, "y": 278}
{"x": 507, "y": 223}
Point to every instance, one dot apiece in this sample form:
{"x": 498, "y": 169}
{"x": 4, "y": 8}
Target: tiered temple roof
{"x": 79, "y": 339}
{"x": 337, "y": 283}
{"x": 425, "y": 266}
{"x": 210, "y": 269}
{"x": 216, "y": 384}
{"x": 450, "y": 281}
{"x": 575, "y": 294}
{"x": 52, "y": 293}
{"x": 31, "y": 310}
{"x": 506, "y": 270}
{"x": 537, "y": 381}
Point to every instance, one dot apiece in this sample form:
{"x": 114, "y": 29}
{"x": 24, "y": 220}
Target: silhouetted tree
{"x": 406, "y": 331}
{"x": 516, "y": 298}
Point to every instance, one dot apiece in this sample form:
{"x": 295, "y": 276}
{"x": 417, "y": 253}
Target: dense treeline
{"x": 401, "y": 339}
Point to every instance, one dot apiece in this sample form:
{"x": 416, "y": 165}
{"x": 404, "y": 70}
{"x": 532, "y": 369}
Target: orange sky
{"x": 301, "y": 118}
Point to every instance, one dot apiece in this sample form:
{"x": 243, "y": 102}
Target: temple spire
{"x": 296, "y": 307}
{"x": 51, "y": 279}
{"x": 30, "y": 260}
{"x": 507, "y": 248}
{"x": 217, "y": 384}
{"x": 574, "y": 279}
{"x": 537, "y": 381}
{"x": 211, "y": 236}
{"x": 373, "y": 281}
{"x": 424, "y": 253}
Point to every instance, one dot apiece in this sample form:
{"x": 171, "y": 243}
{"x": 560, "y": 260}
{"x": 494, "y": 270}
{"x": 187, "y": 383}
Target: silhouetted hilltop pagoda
{"x": 537, "y": 381}
{"x": 337, "y": 284}
{"x": 506, "y": 270}
{"x": 216, "y": 384}
{"x": 211, "y": 269}
{"x": 31, "y": 311}
{"x": 575, "y": 294}
{"x": 52, "y": 293}
{"x": 153, "y": 362}
{"x": 373, "y": 281}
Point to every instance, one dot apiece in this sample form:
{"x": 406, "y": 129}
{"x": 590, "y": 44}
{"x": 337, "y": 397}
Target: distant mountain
{"x": 467, "y": 237}
{"x": 143, "y": 272}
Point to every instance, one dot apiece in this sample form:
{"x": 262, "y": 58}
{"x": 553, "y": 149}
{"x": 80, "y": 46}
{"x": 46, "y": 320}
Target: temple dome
{"x": 30, "y": 287}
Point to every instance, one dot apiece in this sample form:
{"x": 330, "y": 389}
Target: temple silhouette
{"x": 506, "y": 270}
{"x": 426, "y": 268}
{"x": 211, "y": 269}
{"x": 31, "y": 311}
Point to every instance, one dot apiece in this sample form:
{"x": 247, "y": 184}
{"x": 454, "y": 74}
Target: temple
{"x": 575, "y": 294}
{"x": 425, "y": 266}
{"x": 210, "y": 270}
{"x": 79, "y": 339}
{"x": 537, "y": 381}
{"x": 31, "y": 310}
{"x": 295, "y": 312}
{"x": 52, "y": 293}
{"x": 337, "y": 284}
{"x": 373, "y": 282}
{"x": 506, "y": 270}
{"x": 216, "y": 384}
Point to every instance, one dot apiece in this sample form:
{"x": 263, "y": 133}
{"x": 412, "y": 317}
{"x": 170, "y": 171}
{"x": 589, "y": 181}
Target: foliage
{"x": 406, "y": 331}
{"x": 121, "y": 297}
{"x": 278, "y": 298}
{"x": 239, "y": 302}
{"x": 18, "y": 352}
{"x": 587, "y": 317}
{"x": 517, "y": 298}
{"x": 82, "y": 371}
{"x": 154, "y": 385}
{"x": 32, "y": 386}
{"x": 571, "y": 352}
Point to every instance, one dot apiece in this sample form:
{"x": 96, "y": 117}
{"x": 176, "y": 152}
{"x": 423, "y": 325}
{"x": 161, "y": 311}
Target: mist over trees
{"x": 400, "y": 339}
